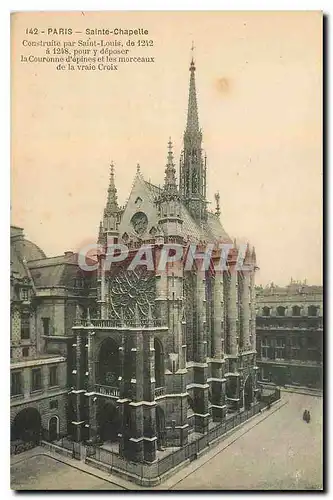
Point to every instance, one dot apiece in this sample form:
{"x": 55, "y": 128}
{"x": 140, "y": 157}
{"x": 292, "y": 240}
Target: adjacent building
{"x": 45, "y": 293}
{"x": 290, "y": 334}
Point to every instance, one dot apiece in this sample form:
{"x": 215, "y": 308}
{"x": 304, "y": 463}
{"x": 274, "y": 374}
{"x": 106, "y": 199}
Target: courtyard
{"x": 282, "y": 452}
{"x": 43, "y": 472}
{"x": 276, "y": 450}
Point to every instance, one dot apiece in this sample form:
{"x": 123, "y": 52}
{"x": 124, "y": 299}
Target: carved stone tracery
{"x": 131, "y": 292}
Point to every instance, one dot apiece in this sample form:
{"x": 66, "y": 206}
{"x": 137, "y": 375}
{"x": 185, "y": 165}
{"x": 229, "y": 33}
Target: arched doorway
{"x": 53, "y": 428}
{"x": 109, "y": 364}
{"x": 160, "y": 427}
{"x": 248, "y": 392}
{"x": 109, "y": 423}
{"x": 26, "y": 426}
{"x": 159, "y": 363}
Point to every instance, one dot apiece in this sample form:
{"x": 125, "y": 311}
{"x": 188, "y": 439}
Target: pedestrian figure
{"x": 308, "y": 417}
{"x": 305, "y": 415}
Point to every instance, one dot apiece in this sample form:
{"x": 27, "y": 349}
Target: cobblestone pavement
{"x": 43, "y": 472}
{"x": 282, "y": 452}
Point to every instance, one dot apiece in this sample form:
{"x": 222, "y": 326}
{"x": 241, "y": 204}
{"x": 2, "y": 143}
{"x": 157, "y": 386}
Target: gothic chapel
{"x": 169, "y": 352}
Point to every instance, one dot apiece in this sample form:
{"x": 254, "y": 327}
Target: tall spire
{"x": 192, "y": 175}
{"x": 192, "y": 125}
{"x": 170, "y": 184}
{"x": 112, "y": 204}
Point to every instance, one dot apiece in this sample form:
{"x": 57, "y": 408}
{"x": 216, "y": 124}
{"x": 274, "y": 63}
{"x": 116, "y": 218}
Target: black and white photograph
{"x": 166, "y": 251}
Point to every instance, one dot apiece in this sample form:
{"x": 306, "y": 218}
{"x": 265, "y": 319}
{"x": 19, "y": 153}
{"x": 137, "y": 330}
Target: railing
{"x": 117, "y": 323}
{"x": 64, "y": 446}
{"x": 107, "y": 390}
{"x": 159, "y": 391}
{"x": 143, "y": 473}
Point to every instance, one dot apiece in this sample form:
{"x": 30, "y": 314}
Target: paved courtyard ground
{"x": 42, "y": 472}
{"x": 282, "y": 452}
{"x": 276, "y": 450}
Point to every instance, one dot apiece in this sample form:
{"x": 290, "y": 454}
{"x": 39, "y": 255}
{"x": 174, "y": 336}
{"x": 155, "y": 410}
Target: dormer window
{"x": 25, "y": 294}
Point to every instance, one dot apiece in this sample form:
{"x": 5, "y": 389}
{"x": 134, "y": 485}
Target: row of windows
{"x": 36, "y": 380}
{"x": 296, "y": 311}
{"x": 280, "y": 353}
{"x": 294, "y": 341}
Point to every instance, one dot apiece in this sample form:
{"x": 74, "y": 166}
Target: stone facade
{"x": 44, "y": 297}
{"x": 171, "y": 349}
{"x": 290, "y": 334}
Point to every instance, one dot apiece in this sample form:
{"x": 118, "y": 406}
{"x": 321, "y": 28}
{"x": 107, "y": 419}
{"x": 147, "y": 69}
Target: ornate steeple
{"x": 170, "y": 183}
{"x": 112, "y": 212}
{"x": 168, "y": 201}
{"x": 192, "y": 164}
{"x": 192, "y": 124}
{"x": 112, "y": 203}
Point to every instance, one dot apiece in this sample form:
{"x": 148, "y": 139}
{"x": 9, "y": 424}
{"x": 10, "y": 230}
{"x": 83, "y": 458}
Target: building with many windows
{"x": 45, "y": 293}
{"x": 172, "y": 350}
{"x": 290, "y": 334}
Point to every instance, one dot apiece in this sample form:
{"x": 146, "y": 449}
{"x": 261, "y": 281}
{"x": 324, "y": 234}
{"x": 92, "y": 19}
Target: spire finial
{"x": 217, "y": 199}
{"x": 192, "y": 51}
{"x": 138, "y": 168}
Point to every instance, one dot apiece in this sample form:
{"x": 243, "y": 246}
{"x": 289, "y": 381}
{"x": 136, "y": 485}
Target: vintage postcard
{"x": 166, "y": 251}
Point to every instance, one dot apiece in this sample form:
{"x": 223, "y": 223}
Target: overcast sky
{"x": 259, "y": 80}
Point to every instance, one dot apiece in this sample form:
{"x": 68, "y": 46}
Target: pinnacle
{"x": 170, "y": 184}
{"x": 112, "y": 204}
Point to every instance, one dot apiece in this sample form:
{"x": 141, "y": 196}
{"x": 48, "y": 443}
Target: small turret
{"x": 108, "y": 231}
{"x": 168, "y": 202}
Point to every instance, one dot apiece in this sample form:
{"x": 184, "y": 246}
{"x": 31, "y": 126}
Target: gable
{"x": 140, "y": 211}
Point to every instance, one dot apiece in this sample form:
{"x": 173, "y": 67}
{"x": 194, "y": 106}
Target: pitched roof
{"x": 211, "y": 230}
{"x": 61, "y": 270}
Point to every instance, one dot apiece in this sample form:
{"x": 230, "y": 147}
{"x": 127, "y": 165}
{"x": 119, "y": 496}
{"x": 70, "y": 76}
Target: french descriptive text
{"x": 81, "y": 51}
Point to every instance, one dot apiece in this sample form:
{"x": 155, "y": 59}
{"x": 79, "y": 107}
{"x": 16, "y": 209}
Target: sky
{"x": 259, "y": 89}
